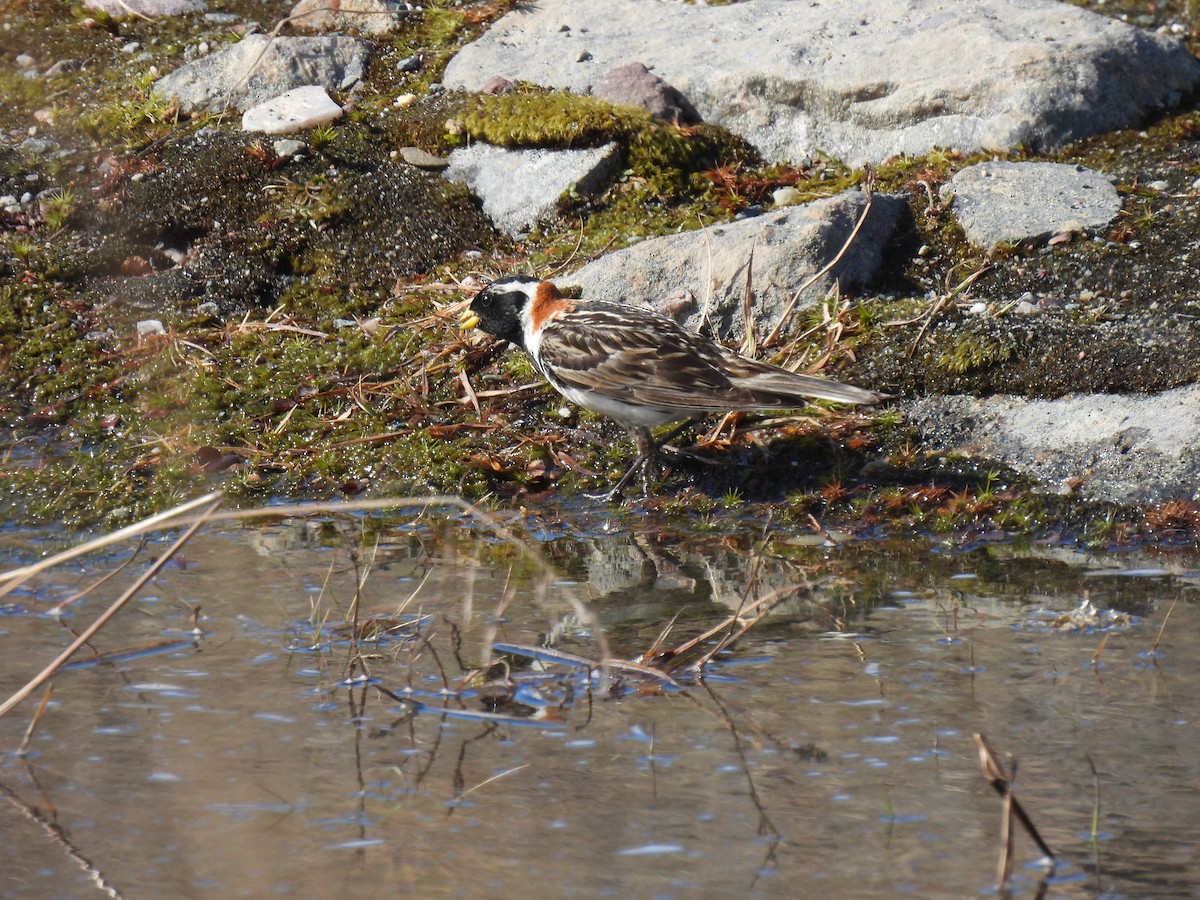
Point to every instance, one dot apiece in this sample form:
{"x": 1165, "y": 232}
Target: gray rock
{"x": 63, "y": 66}
{"x": 861, "y": 79}
{"x": 789, "y": 246}
{"x": 286, "y": 148}
{"x": 124, "y": 9}
{"x": 1017, "y": 201}
{"x": 423, "y": 159}
{"x": 520, "y": 188}
{"x": 259, "y": 67}
{"x": 362, "y": 16}
{"x": 1127, "y": 449}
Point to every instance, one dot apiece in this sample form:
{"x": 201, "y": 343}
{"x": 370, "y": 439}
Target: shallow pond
{"x": 828, "y": 751}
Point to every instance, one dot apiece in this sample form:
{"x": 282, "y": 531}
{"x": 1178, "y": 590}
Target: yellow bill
{"x": 468, "y": 319}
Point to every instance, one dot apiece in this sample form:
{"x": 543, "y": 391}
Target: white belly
{"x": 627, "y": 414}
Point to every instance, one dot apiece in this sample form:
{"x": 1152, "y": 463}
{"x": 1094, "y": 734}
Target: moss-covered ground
{"x": 310, "y": 346}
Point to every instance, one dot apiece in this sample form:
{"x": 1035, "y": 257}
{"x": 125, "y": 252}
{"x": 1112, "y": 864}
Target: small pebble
{"x": 287, "y": 148}
{"x": 785, "y": 195}
{"x": 409, "y": 64}
{"x": 404, "y": 101}
{"x": 25, "y": 61}
{"x": 131, "y": 47}
{"x": 148, "y": 327}
{"x": 1159, "y": 185}
{"x": 415, "y": 156}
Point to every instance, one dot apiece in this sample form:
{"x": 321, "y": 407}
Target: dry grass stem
{"x": 10, "y": 579}
{"x": 103, "y": 619}
{"x": 823, "y": 271}
{"x": 993, "y": 771}
{"x": 1162, "y": 628}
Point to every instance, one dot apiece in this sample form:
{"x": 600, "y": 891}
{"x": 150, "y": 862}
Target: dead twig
{"x": 749, "y": 344}
{"x": 942, "y": 301}
{"x": 994, "y": 772}
{"x": 1162, "y": 629}
{"x": 868, "y": 187}
{"x": 10, "y": 579}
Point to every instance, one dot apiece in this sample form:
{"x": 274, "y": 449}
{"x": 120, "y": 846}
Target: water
{"x": 829, "y": 752}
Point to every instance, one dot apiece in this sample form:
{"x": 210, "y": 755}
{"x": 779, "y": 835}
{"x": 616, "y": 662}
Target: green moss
{"x": 665, "y": 156}
{"x": 968, "y": 352}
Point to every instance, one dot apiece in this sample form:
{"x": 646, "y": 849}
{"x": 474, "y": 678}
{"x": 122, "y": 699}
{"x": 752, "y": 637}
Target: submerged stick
{"x": 990, "y": 766}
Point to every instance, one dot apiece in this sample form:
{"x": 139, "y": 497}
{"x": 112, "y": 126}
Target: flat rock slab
{"x": 521, "y": 188}
{"x": 298, "y": 109}
{"x": 1121, "y": 448}
{"x": 259, "y": 67}
{"x": 861, "y": 79}
{"x": 361, "y": 16}
{"x": 125, "y": 9}
{"x": 700, "y": 276}
{"x": 1017, "y": 201}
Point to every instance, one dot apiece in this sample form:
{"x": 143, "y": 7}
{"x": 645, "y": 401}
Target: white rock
{"x": 861, "y": 79}
{"x": 298, "y": 109}
{"x": 520, "y": 188}
{"x": 149, "y": 327}
{"x": 287, "y": 148}
{"x": 785, "y": 195}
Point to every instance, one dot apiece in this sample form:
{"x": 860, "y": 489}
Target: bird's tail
{"x": 784, "y": 384}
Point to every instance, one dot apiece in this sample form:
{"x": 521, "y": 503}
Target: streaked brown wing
{"x": 635, "y": 356}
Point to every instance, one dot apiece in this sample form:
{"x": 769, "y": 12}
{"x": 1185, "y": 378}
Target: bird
{"x": 635, "y": 366}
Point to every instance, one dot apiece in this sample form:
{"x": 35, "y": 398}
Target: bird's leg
{"x": 648, "y": 454}
{"x": 645, "y": 461}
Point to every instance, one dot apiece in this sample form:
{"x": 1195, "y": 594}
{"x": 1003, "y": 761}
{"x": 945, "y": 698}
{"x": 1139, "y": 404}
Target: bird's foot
{"x": 646, "y": 462}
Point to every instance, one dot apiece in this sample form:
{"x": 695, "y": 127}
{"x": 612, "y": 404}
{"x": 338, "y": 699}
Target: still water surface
{"x": 829, "y": 753}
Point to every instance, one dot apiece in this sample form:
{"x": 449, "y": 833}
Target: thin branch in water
{"x": 58, "y": 608}
{"x": 993, "y": 771}
{"x": 100, "y": 622}
{"x": 1162, "y": 628}
{"x": 15, "y": 577}
{"x": 495, "y": 777}
{"x": 37, "y": 717}
{"x": 59, "y": 837}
